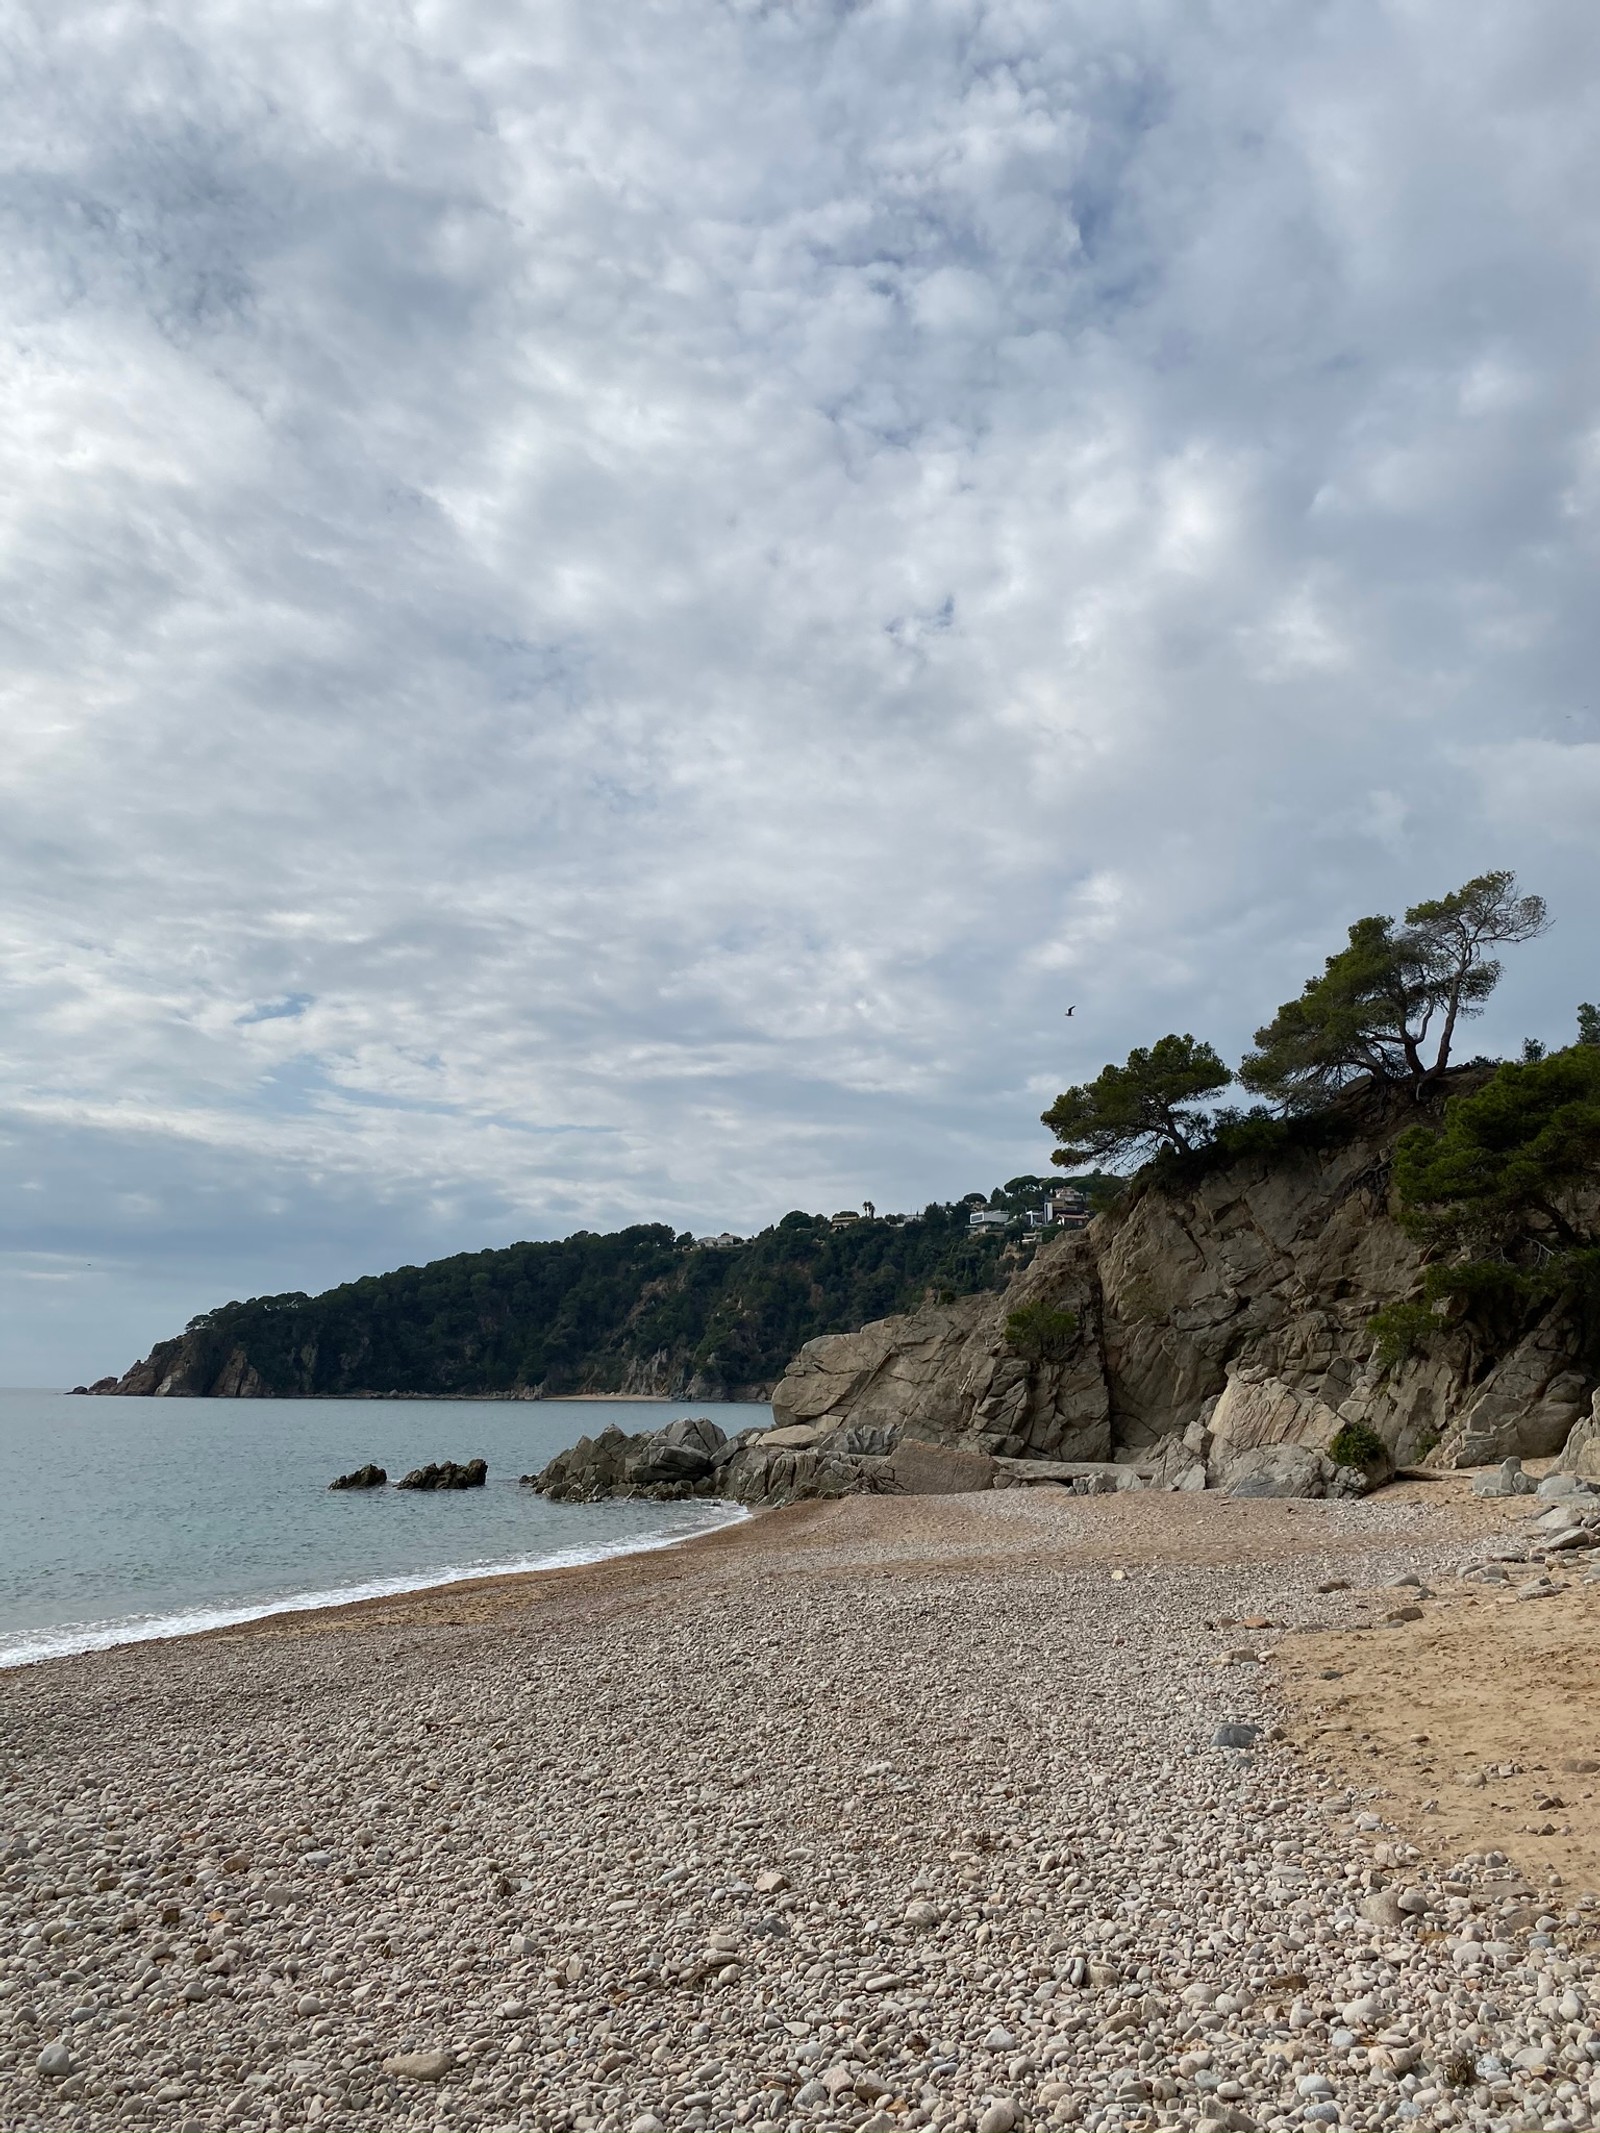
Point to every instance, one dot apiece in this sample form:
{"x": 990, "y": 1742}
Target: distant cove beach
{"x": 872, "y": 1813}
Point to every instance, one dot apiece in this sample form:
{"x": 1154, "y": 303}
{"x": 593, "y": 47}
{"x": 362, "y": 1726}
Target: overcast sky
{"x": 610, "y": 607}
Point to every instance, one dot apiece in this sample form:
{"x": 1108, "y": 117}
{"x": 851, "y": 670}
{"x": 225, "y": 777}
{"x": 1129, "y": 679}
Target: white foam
{"x": 62, "y": 1641}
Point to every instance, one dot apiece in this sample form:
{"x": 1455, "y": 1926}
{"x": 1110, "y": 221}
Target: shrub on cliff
{"x": 1042, "y": 1332}
{"x": 1505, "y": 1190}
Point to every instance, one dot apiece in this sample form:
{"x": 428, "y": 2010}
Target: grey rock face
{"x": 762, "y": 1467}
{"x": 1223, "y": 1339}
{"x": 1581, "y": 1455}
{"x": 1277, "y": 1470}
{"x": 1215, "y": 1320}
{"x": 679, "y": 1460}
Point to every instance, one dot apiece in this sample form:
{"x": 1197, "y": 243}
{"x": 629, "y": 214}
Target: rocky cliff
{"x": 1222, "y": 1318}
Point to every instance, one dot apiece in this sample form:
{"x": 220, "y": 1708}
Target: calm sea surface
{"x": 127, "y": 1519}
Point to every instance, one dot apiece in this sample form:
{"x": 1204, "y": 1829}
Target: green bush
{"x": 1044, "y": 1333}
{"x": 1356, "y": 1445}
{"x": 1401, "y": 1331}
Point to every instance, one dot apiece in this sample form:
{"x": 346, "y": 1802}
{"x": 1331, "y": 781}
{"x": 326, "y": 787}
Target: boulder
{"x": 589, "y": 1469}
{"x": 446, "y": 1474}
{"x": 917, "y": 1468}
{"x": 762, "y": 1476}
{"x": 1581, "y": 1456}
{"x": 796, "y": 1436}
{"x": 681, "y": 1459}
{"x": 1507, "y": 1479}
{"x": 1281, "y": 1470}
{"x": 1084, "y": 1477}
{"x": 1559, "y": 1487}
{"x": 668, "y": 1462}
{"x": 362, "y": 1477}
{"x": 1176, "y": 1463}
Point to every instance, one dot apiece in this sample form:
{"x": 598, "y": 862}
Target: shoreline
{"x": 494, "y": 1399}
{"x": 186, "y": 1625}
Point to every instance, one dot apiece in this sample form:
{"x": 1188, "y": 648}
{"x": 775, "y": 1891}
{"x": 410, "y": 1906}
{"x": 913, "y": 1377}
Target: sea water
{"x": 122, "y": 1520}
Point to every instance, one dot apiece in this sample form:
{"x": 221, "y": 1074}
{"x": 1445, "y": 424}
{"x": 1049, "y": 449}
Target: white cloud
{"x": 601, "y": 605}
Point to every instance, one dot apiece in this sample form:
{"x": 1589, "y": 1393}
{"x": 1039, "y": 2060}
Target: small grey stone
{"x": 55, "y": 2062}
{"x": 1000, "y": 2117}
{"x": 1382, "y": 1908}
{"x": 420, "y": 2066}
{"x": 1233, "y": 1735}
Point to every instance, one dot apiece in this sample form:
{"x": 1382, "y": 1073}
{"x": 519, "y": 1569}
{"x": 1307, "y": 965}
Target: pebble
{"x": 419, "y": 2066}
{"x": 725, "y": 1866}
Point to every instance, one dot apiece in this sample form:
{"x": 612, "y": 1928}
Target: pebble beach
{"x": 871, "y": 1814}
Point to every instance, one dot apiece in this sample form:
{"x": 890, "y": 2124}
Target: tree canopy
{"x": 1136, "y": 1109}
{"x": 1506, "y": 1173}
{"x": 1389, "y": 1004}
{"x": 593, "y": 1313}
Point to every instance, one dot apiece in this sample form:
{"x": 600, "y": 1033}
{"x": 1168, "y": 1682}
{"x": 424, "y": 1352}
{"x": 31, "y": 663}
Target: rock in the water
{"x": 363, "y": 1477}
{"x": 420, "y": 2066}
{"x": 680, "y": 1460}
{"x": 446, "y": 1474}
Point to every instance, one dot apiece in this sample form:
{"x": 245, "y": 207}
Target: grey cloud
{"x": 604, "y": 606}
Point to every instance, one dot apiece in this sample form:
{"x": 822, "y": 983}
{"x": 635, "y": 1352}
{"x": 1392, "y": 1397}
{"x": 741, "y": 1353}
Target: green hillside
{"x": 638, "y": 1310}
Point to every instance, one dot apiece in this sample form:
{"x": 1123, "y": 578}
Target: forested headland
{"x": 638, "y": 1310}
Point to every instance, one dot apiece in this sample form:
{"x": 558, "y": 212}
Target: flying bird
{"x": 1072, "y": 1010}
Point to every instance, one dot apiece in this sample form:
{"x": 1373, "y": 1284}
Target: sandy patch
{"x": 1481, "y": 1721}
